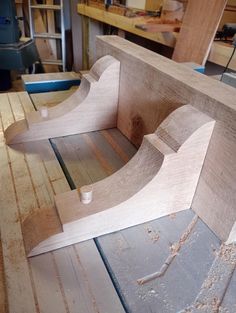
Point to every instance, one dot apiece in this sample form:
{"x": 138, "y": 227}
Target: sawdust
{"x": 212, "y": 307}
{"x": 228, "y": 253}
{"x": 175, "y": 247}
{"x": 174, "y": 251}
{"x": 152, "y": 234}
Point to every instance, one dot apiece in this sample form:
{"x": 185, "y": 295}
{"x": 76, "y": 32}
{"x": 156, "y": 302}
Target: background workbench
{"x": 98, "y": 275}
{"x": 92, "y": 19}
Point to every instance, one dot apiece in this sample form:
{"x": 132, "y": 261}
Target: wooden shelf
{"x": 220, "y": 54}
{"x": 127, "y": 24}
{"x": 46, "y": 7}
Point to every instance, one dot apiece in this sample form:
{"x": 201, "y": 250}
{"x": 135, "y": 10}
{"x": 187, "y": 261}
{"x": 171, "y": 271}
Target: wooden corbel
{"x": 160, "y": 179}
{"x": 92, "y": 107}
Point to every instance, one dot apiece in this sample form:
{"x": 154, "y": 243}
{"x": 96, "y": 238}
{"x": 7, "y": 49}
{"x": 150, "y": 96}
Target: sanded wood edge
{"x": 92, "y": 107}
{"x": 159, "y": 180}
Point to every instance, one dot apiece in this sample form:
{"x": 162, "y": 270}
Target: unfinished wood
{"x": 76, "y": 36}
{"x": 200, "y": 24}
{"x": 93, "y": 106}
{"x": 126, "y": 23}
{"x": 50, "y": 77}
{"x": 229, "y": 15}
{"x": 45, "y": 47}
{"x": 163, "y": 28}
{"x": 168, "y": 85}
{"x": 141, "y": 250}
{"x": 220, "y": 53}
{"x": 3, "y": 296}
{"x": 50, "y": 99}
{"x": 32, "y": 175}
{"x": 149, "y": 5}
{"x": 51, "y": 28}
{"x": 155, "y": 178}
{"x": 20, "y": 295}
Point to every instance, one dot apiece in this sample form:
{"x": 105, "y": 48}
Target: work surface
{"x": 99, "y": 275}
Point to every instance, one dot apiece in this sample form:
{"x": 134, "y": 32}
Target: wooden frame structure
{"x": 167, "y": 174}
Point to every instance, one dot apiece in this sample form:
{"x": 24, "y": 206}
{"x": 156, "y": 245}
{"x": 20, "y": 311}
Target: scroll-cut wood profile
{"x": 160, "y": 179}
{"x": 92, "y": 107}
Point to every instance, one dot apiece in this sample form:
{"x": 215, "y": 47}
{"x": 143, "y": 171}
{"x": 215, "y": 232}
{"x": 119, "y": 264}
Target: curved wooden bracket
{"x": 160, "y": 179}
{"x": 92, "y": 107}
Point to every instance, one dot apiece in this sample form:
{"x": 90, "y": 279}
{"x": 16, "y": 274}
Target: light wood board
{"x": 198, "y": 30}
{"x": 67, "y": 281}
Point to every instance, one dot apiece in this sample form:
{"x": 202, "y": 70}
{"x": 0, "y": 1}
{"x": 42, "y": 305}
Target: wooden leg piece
{"x": 92, "y": 107}
{"x": 160, "y": 179}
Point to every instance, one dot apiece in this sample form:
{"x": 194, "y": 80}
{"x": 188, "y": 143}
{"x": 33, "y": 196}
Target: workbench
{"x": 220, "y": 52}
{"x": 97, "y": 275}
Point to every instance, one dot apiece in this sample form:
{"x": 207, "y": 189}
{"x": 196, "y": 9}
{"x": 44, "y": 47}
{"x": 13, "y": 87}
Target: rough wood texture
{"x": 156, "y": 182}
{"x": 82, "y": 112}
{"x": 160, "y": 87}
{"x": 167, "y": 86}
{"x": 66, "y": 281}
{"x": 220, "y": 54}
{"x": 200, "y": 24}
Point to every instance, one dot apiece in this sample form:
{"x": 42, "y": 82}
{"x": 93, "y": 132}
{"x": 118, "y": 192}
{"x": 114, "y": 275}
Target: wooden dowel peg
{"x": 44, "y": 112}
{"x": 86, "y": 194}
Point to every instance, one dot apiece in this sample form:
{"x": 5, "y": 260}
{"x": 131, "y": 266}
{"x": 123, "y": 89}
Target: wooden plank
{"x": 44, "y": 46}
{"x": 125, "y": 23}
{"x": 51, "y": 27}
{"x": 29, "y": 184}
{"x": 158, "y": 27}
{"x": 20, "y": 293}
{"x": 77, "y": 268}
{"x": 94, "y": 269}
{"x": 220, "y": 54}
{"x": 25, "y": 102}
{"x": 47, "y": 285}
{"x": 85, "y": 42}
{"x": 3, "y": 296}
{"x": 76, "y": 36}
{"x": 29, "y": 78}
{"x": 199, "y": 26}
